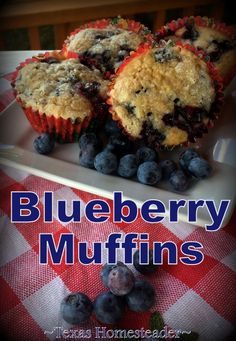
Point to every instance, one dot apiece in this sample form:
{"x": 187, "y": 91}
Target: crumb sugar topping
{"x": 220, "y": 47}
{"x": 51, "y": 88}
{"x": 203, "y": 38}
{"x": 150, "y": 86}
{"x": 97, "y": 41}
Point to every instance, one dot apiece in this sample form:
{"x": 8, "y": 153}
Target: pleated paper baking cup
{"x": 63, "y": 129}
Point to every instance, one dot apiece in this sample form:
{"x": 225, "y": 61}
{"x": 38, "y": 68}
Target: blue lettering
{"x": 118, "y": 209}
{"x": 112, "y": 246}
{"x": 31, "y": 213}
{"x": 91, "y": 211}
{"x": 129, "y": 245}
{"x": 151, "y": 214}
{"x": 193, "y": 208}
{"x": 174, "y": 209}
{"x": 217, "y": 217}
{"x": 158, "y": 252}
{"x": 83, "y": 253}
{"x": 65, "y": 245}
{"x": 48, "y": 203}
{"x": 190, "y": 249}
{"x": 64, "y": 217}
{"x": 144, "y": 249}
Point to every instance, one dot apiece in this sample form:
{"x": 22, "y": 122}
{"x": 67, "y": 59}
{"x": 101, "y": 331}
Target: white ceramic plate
{"x": 16, "y": 149}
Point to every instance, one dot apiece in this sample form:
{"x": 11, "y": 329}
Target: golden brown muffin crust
{"x": 49, "y": 88}
{"x": 149, "y": 85}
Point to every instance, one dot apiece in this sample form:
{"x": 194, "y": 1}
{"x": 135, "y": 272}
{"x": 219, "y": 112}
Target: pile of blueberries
{"x": 119, "y": 156}
{"x": 114, "y": 153}
{"x": 124, "y": 292}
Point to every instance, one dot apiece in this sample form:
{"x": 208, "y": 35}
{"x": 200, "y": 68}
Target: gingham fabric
{"x": 200, "y": 298}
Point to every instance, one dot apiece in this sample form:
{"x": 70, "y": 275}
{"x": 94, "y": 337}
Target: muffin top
{"x": 213, "y": 38}
{"x": 212, "y": 41}
{"x": 59, "y": 87}
{"x": 166, "y": 92}
{"x": 109, "y": 46}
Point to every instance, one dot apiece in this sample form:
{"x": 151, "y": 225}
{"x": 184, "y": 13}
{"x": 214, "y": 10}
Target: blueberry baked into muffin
{"x": 60, "y": 95}
{"x": 105, "y": 43}
{"x": 215, "y": 39}
{"x": 167, "y": 95}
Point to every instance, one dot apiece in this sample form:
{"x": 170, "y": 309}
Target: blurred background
{"x": 44, "y": 24}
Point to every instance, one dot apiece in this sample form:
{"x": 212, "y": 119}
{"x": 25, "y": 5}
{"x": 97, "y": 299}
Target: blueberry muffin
{"x": 165, "y": 95}
{"x": 215, "y": 39}
{"x": 105, "y": 43}
{"x": 59, "y": 95}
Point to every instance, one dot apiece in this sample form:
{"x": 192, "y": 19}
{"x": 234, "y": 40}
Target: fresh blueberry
{"x": 149, "y": 173}
{"x": 106, "y": 55}
{"x": 119, "y": 144}
{"x": 127, "y": 166}
{"x": 50, "y": 60}
{"x": 105, "y": 272}
{"x": 44, "y": 143}
{"x": 178, "y": 180}
{"x": 200, "y": 168}
{"x": 190, "y": 33}
{"x": 120, "y": 280}
{"x": 121, "y": 55}
{"x": 185, "y": 157}
{"x": 90, "y": 146}
{"x": 111, "y": 127}
{"x": 144, "y": 154}
{"x": 109, "y": 148}
{"x": 89, "y": 139}
{"x": 153, "y": 136}
{"x": 167, "y": 167}
{"x": 76, "y": 308}
{"x": 87, "y": 156}
{"x": 108, "y": 308}
{"x": 146, "y": 268}
{"x": 142, "y": 297}
{"x": 89, "y": 89}
{"x": 105, "y": 162}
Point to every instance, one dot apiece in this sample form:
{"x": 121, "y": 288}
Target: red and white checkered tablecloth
{"x": 200, "y": 298}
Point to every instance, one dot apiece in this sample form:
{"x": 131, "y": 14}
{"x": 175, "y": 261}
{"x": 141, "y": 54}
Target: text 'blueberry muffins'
{"x": 59, "y": 94}
{"x": 167, "y": 95}
{"x": 105, "y": 43}
{"x": 214, "y": 38}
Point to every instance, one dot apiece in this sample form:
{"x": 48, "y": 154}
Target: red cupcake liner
{"x": 174, "y": 25}
{"x": 127, "y": 24}
{"x": 64, "y": 130}
{"x": 218, "y": 82}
